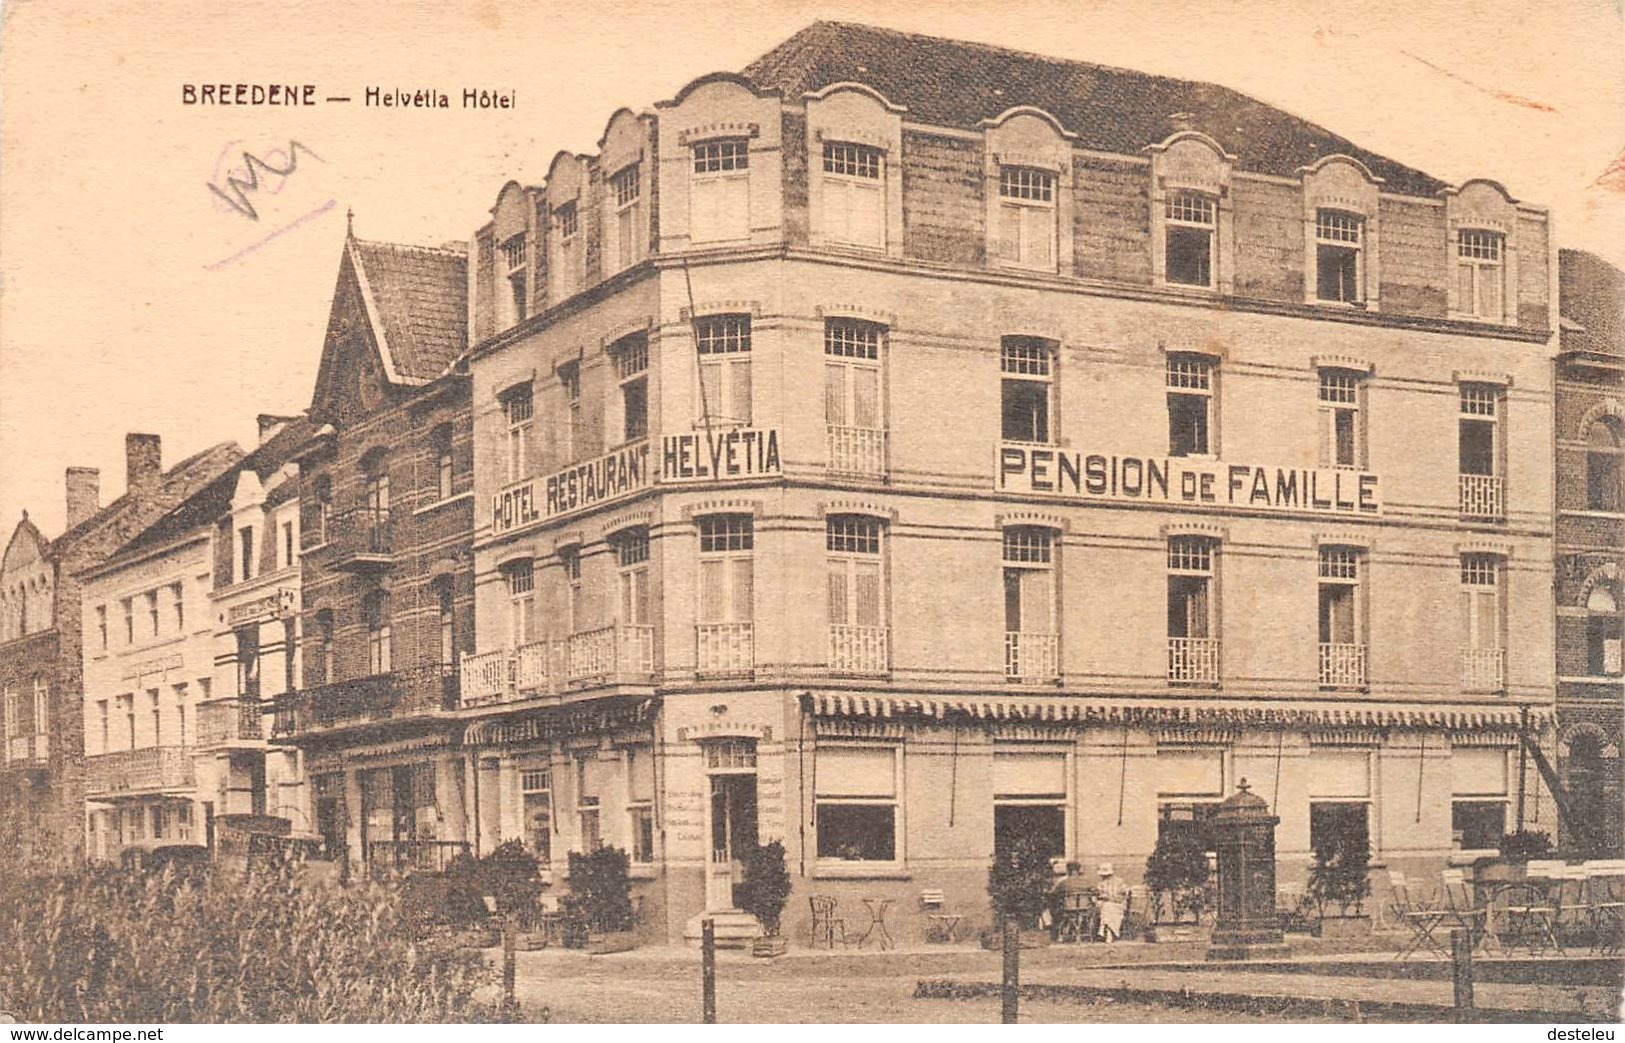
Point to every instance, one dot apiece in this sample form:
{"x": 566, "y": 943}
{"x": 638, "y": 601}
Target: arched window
{"x": 1605, "y": 489}
{"x": 1603, "y": 633}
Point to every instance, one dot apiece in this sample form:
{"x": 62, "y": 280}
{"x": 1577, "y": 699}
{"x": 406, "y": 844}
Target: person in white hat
{"x": 1111, "y": 903}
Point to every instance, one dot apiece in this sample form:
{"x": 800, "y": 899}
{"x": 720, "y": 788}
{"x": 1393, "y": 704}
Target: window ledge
{"x": 860, "y": 871}
{"x": 1590, "y": 512}
{"x": 1469, "y": 856}
{"x": 642, "y": 872}
{"x": 447, "y": 502}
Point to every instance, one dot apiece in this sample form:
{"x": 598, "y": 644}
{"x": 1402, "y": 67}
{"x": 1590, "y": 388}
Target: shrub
{"x": 1019, "y": 881}
{"x": 1525, "y": 844}
{"x": 766, "y": 885}
{"x": 508, "y": 875}
{"x": 98, "y": 945}
{"x": 1340, "y": 873}
{"x": 1178, "y": 869}
{"x": 600, "y": 898}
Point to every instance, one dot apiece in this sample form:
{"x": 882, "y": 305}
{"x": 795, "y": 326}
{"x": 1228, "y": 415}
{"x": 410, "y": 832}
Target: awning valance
{"x": 599, "y": 715}
{"x": 1084, "y": 710}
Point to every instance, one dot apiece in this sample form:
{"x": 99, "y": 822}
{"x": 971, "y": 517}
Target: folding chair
{"x": 1571, "y": 909}
{"x": 1605, "y": 889}
{"x": 1463, "y": 908}
{"x": 1421, "y": 917}
{"x": 1525, "y": 915}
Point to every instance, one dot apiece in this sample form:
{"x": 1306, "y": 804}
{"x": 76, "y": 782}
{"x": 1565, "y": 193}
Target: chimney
{"x": 84, "y": 485}
{"x": 143, "y": 461}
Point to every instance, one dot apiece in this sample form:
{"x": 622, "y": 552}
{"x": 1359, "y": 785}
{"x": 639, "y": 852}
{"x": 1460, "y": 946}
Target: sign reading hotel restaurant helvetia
{"x": 703, "y": 456}
{"x": 1062, "y": 473}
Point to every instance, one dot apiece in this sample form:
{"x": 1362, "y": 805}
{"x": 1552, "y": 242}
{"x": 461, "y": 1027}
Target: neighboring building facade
{"x": 386, "y": 574}
{"x": 42, "y": 795}
{"x": 1590, "y": 535}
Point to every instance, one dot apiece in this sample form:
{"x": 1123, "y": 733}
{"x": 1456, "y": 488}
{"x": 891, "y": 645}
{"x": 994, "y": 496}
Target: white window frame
{"x": 631, "y": 359}
{"x": 1341, "y": 394}
{"x": 1481, "y": 263}
{"x": 519, "y": 577}
{"x": 512, "y": 250}
{"x": 376, "y": 610}
{"x": 854, "y": 541}
{"x": 896, "y": 802}
{"x": 723, "y": 343}
{"x": 537, "y": 780}
{"x": 853, "y": 178}
{"x": 1030, "y": 550}
{"x": 854, "y": 351}
{"x": 1023, "y": 361}
{"x": 638, "y": 809}
{"x": 719, "y": 173}
{"x": 1483, "y": 403}
{"x": 625, "y": 195}
{"x": 728, "y": 542}
{"x": 1195, "y": 557}
{"x": 632, "y": 552}
{"x": 1194, "y": 376}
{"x": 519, "y": 417}
{"x": 1190, "y": 209}
{"x": 1027, "y": 207}
{"x": 1342, "y": 230}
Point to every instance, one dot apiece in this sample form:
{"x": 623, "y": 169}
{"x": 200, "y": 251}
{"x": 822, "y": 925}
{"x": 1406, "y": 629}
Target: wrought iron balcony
{"x": 130, "y": 771}
{"x": 222, "y": 722}
{"x": 726, "y": 649}
{"x": 857, "y": 451}
{"x": 1483, "y": 496}
{"x": 859, "y": 650}
{"x": 360, "y": 540}
{"x": 1193, "y": 660}
{"x": 1032, "y": 658}
{"x": 1483, "y": 670}
{"x": 1342, "y": 666}
{"x": 377, "y": 698}
{"x": 619, "y": 653}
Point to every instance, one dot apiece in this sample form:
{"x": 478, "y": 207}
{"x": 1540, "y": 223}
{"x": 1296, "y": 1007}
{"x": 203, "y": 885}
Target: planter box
{"x": 612, "y": 941}
{"x": 769, "y": 947}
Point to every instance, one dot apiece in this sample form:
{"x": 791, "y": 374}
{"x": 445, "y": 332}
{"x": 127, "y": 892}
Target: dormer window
{"x": 719, "y": 191}
{"x": 567, "y": 220}
{"x": 1027, "y": 217}
{"x": 1189, "y": 222}
{"x": 854, "y": 202}
{"x": 1338, "y": 267}
{"x": 1479, "y": 268}
{"x": 513, "y": 262}
{"x": 625, "y": 190}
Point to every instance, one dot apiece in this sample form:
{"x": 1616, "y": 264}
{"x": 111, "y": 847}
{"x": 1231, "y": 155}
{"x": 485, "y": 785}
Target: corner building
{"x": 891, "y": 467}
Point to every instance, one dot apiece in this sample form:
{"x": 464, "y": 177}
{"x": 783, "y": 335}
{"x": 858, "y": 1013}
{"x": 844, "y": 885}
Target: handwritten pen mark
{"x": 1613, "y": 178}
{"x": 290, "y": 226}
{"x": 238, "y": 200}
{"x": 1505, "y": 96}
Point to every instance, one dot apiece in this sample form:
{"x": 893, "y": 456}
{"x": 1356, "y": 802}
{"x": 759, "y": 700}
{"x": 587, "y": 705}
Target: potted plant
{"x": 598, "y": 914}
{"x": 1176, "y": 874}
{"x": 1340, "y": 876}
{"x": 508, "y": 878}
{"x": 763, "y": 892}
{"x": 1019, "y": 882}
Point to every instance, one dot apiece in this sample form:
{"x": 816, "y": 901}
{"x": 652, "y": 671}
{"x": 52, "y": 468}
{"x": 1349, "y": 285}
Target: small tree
{"x": 766, "y": 885}
{"x": 508, "y": 875}
{"x": 600, "y": 898}
{"x": 1019, "y": 881}
{"x": 1177, "y": 869}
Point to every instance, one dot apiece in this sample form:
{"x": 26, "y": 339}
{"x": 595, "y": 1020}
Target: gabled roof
{"x": 174, "y": 485}
{"x": 959, "y": 84}
{"x": 417, "y": 303}
{"x": 26, "y": 546}
{"x": 200, "y": 510}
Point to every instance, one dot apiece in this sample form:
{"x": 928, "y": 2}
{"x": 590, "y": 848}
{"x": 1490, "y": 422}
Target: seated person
{"x": 1112, "y": 892}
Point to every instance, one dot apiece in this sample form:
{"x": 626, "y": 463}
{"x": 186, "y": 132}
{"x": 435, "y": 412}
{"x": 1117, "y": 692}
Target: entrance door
{"x": 733, "y": 832}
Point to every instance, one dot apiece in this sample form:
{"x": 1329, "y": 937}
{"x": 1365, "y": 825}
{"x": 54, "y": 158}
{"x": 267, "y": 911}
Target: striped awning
{"x": 595, "y": 716}
{"x": 1085, "y": 710}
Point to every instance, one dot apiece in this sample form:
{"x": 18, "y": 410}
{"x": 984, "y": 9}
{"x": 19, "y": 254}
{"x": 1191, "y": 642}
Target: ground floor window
{"x": 1478, "y": 825}
{"x": 1029, "y": 800}
{"x": 589, "y": 783}
{"x": 1193, "y": 818}
{"x": 536, "y": 793}
{"x": 1339, "y": 826}
{"x": 640, "y": 791}
{"x": 857, "y": 799}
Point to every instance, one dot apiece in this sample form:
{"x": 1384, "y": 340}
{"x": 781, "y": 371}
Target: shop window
{"x": 1196, "y": 819}
{"x": 857, "y": 803}
{"x": 1478, "y": 825}
{"x": 1478, "y": 782}
{"x": 1339, "y": 826}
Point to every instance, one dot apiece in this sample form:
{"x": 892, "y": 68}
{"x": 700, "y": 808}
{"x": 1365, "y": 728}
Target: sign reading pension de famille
{"x": 703, "y": 456}
{"x": 1062, "y": 473}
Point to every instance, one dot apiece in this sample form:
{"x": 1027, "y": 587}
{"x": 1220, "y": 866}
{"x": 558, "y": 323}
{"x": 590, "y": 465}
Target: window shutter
{"x": 1188, "y": 773}
{"x": 1342, "y": 774}
{"x": 837, "y": 593}
{"x": 734, "y": 204}
{"x": 711, "y": 389}
{"x": 868, "y": 223}
{"x": 740, "y": 408}
{"x": 1038, "y": 235}
{"x": 1478, "y": 771}
{"x": 868, "y": 593}
{"x": 1009, "y": 244}
{"x": 848, "y": 772}
{"x": 711, "y": 591}
{"x": 704, "y": 218}
{"x": 743, "y": 587}
{"x": 835, "y": 394}
{"x": 865, "y": 397}
{"x": 1037, "y": 601}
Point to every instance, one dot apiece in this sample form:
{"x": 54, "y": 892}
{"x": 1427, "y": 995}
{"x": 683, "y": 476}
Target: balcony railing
{"x": 539, "y": 668}
{"x": 725, "y": 649}
{"x": 857, "y": 450}
{"x": 859, "y": 650}
{"x": 28, "y": 749}
{"x": 1483, "y": 670}
{"x": 151, "y": 768}
{"x": 1483, "y": 496}
{"x": 1193, "y": 660}
{"x": 360, "y": 539}
{"x": 1342, "y": 666}
{"x": 487, "y": 677}
{"x": 619, "y": 652}
{"x": 363, "y": 700}
{"x": 426, "y": 856}
{"x": 1031, "y": 657}
{"x": 224, "y": 721}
